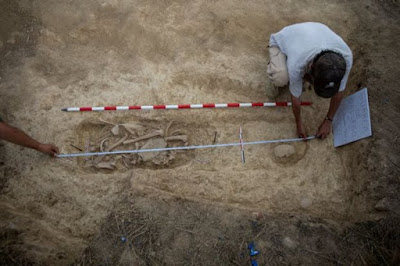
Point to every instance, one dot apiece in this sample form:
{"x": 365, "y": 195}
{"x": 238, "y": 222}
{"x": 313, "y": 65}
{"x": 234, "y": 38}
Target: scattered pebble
{"x": 14, "y": 36}
{"x": 11, "y": 40}
{"x": 387, "y": 204}
{"x": 305, "y": 203}
{"x": 289, "y": 243}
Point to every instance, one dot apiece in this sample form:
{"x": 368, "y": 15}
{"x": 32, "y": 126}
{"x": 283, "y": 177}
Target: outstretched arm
{"x": 326, "y": 126}
{"x": 296, "y": 107}
{"x": 19, "y": 137}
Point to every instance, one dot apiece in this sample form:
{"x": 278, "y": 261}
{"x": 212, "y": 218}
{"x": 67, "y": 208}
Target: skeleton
{"x": 134, "y": 135}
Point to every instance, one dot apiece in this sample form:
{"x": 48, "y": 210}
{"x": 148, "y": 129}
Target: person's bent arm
{"x": 326, "y": 126}
{"x": 19, "y": 137}
{"x": 296, "y": 107}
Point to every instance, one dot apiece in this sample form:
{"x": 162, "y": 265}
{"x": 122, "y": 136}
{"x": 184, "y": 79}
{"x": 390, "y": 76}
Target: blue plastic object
{"x": 254, "y": 263}
{"x": 253, "y": 253}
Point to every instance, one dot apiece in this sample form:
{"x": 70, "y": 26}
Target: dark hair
{"x": 328, "y": 70}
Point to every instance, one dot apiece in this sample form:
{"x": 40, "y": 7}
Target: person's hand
{"x": 301, "y": 132}
{"x": 48, "y": 149}
{"x": 324, "y": 129}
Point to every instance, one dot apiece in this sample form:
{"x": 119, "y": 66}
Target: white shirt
{"x": 301, "y": 43}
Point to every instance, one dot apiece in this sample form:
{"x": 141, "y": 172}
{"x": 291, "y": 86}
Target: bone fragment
{"x": 102, "y": 143}
{"x": 105, "y": 165}
{"x": 98, "y": 159}
{"x": 92, "y": 148}
{"x": 183, "y": 138}
{"x": 133, "y": 129}
{"x": 119, "y": 142}
{"x": 176, "y": 132}
{"x": 130, "y": 131}
{"x": 125, "y": 163}
{"x": 128, "y": 156}
{"x": 88, "y": 164}
{"x": 103, "y": 130}
{"x": 167, "y": 128}
{"x": 115, "y": 130}
{"x": 157, "y": 133}
{"x": 154, "y": 143}
{"x": 103, "y": 137}
{"x": 106, "y": 122}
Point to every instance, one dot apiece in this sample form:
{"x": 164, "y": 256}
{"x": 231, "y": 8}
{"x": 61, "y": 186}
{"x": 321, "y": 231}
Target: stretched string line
{"x": 183, "y": 147}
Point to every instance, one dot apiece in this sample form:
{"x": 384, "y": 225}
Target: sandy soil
{"x": 56, "y": 54}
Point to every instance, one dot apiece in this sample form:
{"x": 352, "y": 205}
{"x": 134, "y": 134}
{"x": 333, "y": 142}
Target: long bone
{"x": 119, "y": 142}
{"x": 157, "y": 133}
{"x": 183, "y": 138}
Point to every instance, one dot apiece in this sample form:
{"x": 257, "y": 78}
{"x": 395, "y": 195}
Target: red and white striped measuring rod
{"x": 179, "y": 106}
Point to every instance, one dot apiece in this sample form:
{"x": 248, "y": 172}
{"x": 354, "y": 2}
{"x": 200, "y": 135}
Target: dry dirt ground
{"x": 320, "y": 205}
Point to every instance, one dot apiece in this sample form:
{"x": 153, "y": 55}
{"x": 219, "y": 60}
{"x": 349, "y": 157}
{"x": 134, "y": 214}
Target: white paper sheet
{"x": 352, "y": 120}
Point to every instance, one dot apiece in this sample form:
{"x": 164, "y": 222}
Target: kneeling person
{"x": 312, "y": 52}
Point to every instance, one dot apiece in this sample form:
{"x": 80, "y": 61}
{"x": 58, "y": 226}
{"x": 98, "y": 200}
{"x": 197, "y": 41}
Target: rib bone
{"x": 176, "y": 132}
{"x": 183, "y": 138}
{"x": 102, "y": 143}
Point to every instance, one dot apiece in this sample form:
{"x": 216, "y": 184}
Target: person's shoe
{"x": 271, "y": 90}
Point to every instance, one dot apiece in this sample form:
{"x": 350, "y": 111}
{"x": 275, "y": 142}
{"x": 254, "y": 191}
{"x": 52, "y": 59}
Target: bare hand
{"x": 301, "y": 132}
{"x": 324, "y": 129}
{"x": 48, "y": 149}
